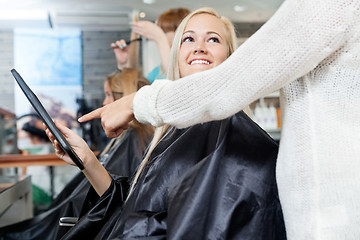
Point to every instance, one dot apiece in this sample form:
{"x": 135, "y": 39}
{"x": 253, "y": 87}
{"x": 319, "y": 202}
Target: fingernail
{"x": 79, "y": 119}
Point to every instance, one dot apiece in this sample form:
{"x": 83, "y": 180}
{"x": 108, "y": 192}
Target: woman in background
{"x": 116, "y": 86}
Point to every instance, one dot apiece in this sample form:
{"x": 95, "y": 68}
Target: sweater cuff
{"x": 144, "y": 103}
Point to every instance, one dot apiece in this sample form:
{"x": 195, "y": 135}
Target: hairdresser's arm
{"x": 292, "y": 43}
{"x": 121, "y": 52}
{"x": 126, "y": 55}
{"x": 153, "y": 32}
{"x": 94, "y": 171}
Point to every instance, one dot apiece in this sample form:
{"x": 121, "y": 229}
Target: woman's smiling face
{"x": 203, "y": 44}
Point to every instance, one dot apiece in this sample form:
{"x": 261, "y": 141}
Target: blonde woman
{"x": 193, "y": 183}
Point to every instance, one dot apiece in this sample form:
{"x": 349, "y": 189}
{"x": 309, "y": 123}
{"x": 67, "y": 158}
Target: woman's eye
{"x": 214, "y": 39}
{"x": 188, "y": 39}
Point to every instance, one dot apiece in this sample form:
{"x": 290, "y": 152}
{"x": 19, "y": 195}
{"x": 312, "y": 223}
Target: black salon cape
{"x": 122, "y": 161}
{"x": 210, "y": 181}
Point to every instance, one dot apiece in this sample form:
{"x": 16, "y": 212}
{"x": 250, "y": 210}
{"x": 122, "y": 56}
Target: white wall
{"x": 6, "y": 64}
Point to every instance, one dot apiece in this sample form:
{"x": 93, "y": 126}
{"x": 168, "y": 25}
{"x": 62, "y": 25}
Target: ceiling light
{"x": 23, "y": 14}
{"x": 239, "y": 8}
{"x": 149, "y": 1}
{"x": 142, "y": 15}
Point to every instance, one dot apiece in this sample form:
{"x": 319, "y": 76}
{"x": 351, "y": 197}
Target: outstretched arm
{"x": 94, "y": 171}
{"x": 293, "y": 42}
{"x": 300, "y": 35}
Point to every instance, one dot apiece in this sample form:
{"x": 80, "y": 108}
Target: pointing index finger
{"x": 91, "y": 115}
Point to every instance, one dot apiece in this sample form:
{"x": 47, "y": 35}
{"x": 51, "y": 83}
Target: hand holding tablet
{"x": 47, "y": 119}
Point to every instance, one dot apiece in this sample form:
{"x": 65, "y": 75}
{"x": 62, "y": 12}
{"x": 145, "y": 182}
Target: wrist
{"x": 120, "y": 67}
{"x": 89, "y": 160}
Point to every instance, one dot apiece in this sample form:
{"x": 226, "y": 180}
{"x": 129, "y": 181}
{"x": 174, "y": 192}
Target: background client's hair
{"x": 124, "y": 83}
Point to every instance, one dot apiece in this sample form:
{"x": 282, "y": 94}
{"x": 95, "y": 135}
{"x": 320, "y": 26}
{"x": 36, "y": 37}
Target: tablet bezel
{"x": 35, "y": 102}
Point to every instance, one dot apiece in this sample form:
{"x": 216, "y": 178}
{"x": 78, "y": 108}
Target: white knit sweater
{"x": 310, "y": 49}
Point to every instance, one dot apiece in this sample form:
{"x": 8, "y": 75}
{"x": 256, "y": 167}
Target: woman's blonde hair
{"x": 174, "y": 71}
{"x": 124, "y": 83}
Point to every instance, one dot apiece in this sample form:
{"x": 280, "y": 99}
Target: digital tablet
{"x": 47, "y": 119}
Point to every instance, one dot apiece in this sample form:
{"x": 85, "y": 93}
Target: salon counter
{"x": 18, "y": 160}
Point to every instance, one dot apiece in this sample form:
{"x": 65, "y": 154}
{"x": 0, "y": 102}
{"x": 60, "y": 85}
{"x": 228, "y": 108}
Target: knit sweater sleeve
{"x": 293, "y": 42}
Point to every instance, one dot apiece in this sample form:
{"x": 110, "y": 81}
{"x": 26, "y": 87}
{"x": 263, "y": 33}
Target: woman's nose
{"x": 200, "y": 48}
